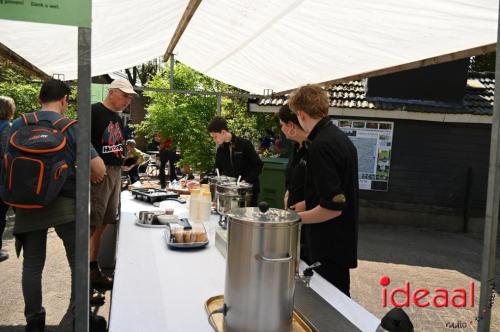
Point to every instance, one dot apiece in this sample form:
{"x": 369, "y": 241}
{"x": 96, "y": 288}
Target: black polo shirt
{"x": 332, "y": 182}
{"x": 296, "y": 174}
{"x": 238, "y": 157}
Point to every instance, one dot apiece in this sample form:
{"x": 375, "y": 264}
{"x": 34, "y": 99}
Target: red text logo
{"x": 423, "y": 297}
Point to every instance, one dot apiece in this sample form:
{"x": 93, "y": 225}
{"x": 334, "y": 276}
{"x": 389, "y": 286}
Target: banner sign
{"x": 64, "y": 12}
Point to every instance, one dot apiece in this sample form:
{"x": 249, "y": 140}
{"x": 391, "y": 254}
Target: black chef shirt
{"x": 296, "y": 174}
{"x": 238, "y": 157}
{"x": 332, "y": 182}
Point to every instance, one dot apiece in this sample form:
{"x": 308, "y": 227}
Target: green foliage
{"x": 18, "y": 86}
{"x": 184, "y": 118}
{"x": 24, "y": 90}
{"x": 484, "y": 63}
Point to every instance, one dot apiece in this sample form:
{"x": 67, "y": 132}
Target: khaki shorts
{"x": 105, "y": 197}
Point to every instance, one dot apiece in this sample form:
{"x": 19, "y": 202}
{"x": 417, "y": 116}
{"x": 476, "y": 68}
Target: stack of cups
{"x": 194, "y": 205}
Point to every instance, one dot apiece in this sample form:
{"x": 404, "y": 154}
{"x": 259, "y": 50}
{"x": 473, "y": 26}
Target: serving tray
{"x": 217, "y": 320}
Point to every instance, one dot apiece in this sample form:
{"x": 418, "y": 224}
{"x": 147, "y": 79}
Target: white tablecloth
{"x": 157, "y": 289}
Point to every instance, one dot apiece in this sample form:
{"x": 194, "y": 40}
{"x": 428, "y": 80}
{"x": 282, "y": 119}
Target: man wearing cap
{"x": 107, "y": 138}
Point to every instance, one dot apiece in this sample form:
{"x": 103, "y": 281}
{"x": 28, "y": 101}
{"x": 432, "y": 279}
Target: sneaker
{"x": 4, "y": 255}
{"x": 97, "y": 323}
{"x": 35, "y": 323}
{"x": 99, "y": 281}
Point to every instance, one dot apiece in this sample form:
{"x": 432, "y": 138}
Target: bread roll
{"x": 201, "y": 237}
{"x": 188, "y": 236}
{"x": 178, "y": 235}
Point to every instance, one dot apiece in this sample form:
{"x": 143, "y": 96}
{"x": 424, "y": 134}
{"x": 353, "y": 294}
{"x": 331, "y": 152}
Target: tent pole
{"x": 491, "y": 214}
{"x": 172, "y": 68}
{"x": 219, "y": 104}
{"x": 83, "y": 183}
{"x": 186, "y": 17}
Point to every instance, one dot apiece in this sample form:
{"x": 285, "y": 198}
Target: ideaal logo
{"x": 439, "y": 298}
{"x": 422, "y": 297}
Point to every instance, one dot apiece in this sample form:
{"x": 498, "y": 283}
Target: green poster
{"x": 65, "y": 12}
{"x": 98, "y": 92}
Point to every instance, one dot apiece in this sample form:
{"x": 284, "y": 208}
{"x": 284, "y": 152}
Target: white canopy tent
{"x": 263, "y": 44}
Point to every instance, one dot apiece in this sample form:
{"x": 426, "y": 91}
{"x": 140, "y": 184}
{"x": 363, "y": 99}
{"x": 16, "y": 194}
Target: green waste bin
{"x": 272, "y": 181}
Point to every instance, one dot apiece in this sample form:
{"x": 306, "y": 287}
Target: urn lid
{"x": 264, "y": 215}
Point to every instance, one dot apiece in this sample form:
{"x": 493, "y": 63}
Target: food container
{"x": 262, "y": 259}
{"x": 233, "y": 195}
{"x": 179, "y": 237}
{"x": 214, "y": 180}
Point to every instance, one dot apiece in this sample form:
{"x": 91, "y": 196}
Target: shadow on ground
{"x": 423, "y": 247}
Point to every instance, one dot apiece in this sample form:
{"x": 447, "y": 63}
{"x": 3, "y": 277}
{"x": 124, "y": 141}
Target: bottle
{"x": 194, "y": 202}
{"x": 205, "y": 204}
{"x": 205, "y": 187}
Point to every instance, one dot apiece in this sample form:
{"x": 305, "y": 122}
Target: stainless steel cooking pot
{"x": 233, "y": 195}
{"x": 214, "y": 180}
{"x": 262, "y": 258}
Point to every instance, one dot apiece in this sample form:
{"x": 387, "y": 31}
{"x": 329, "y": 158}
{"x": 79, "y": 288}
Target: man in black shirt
{"x": 331, "y": 189}
{"x": 235, "y": 156}
{"x": 108, "y": 139}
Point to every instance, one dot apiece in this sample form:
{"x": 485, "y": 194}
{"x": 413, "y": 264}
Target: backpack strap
{"x": 30, "y": 118}
{"x": 63, "y": 123}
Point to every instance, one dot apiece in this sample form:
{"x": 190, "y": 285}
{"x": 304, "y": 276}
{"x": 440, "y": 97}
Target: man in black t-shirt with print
{"x": 108, "y": 140}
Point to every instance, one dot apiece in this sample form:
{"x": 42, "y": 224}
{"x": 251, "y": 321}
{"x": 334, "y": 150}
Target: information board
{"x": 373, "y": 140}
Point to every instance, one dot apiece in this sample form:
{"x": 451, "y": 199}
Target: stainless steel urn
{"x": 260, "y": 270}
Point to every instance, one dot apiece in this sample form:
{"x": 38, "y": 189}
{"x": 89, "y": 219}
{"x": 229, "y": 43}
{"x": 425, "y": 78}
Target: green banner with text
{"x": 65, "y": 12}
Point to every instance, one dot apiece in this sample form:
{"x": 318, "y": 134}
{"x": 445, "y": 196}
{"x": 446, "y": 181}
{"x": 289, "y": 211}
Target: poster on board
{"x": 373, "y": 140}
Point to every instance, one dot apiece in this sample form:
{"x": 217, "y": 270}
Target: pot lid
{"x": 263, "y": 214}
{"x": 222, "y": 178}
{"x": 234, "y": 185}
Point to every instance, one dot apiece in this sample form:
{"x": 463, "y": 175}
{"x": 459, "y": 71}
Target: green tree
{"x": 18, "y": 85}
{"x": 24, "y": 89}
{"x": 184, "y": 118}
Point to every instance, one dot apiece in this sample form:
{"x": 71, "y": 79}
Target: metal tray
{"x": 181, "y": 246}
{"x": 217, "y": 320}
{"x": 152, "y": 195}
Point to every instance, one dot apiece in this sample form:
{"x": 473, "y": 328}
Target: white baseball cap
{"x": 124, "y": 85}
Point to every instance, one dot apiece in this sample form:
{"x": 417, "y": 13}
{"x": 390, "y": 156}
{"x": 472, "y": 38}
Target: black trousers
{"x": 337, "y": 275}
{"x": 3, "y": 219}
{"x": 167, "y": 155}
{"x": 35, "y": 248}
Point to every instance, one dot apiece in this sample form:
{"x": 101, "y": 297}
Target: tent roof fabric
{"x": 478, "y": 98}
{"x": 263, "y": 44}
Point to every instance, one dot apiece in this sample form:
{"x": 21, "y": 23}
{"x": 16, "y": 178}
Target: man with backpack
{"x": 40, "y": 160}
{"x": 108, "y": 139}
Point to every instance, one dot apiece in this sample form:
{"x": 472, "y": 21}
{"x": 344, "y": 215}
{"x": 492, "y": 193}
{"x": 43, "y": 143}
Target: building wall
{"x": 428, "y": 175}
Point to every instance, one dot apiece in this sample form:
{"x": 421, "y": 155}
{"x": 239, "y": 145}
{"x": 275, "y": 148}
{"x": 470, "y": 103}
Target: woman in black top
{"x": 297, "y": 163}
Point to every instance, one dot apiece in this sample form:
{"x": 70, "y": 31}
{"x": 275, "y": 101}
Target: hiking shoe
{"x": 99, "y": 281}
{"x": 3, "y": 255}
